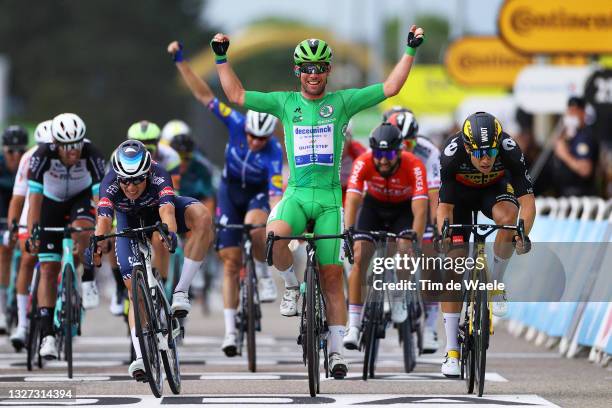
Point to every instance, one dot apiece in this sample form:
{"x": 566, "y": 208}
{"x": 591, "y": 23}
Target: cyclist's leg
{"x": 230, "y": 210}
{"x": 192, "y": 216}
{"x": 125, "y": 259}
{"x": 161, "y": 258}
{"x": 24, "y": 278}
{"x": 52, "y": 214}
{"x": 402, "y": 221}
{"x": 82, "y": 216}
{"x": 5, "y": 261}
{"x": 258, "y": 210}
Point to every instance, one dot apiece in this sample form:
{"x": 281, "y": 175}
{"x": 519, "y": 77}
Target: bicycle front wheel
{"x": 67, "y": 312}
{"x": 146, "y": 330}
{"x": 251, "y": 316}
{"x": 312, "y": 334}
{"x": 34, "y": 333}
{"x": 468, "y": 360}
{"x": 481, "y": 339}
{"x": 170, "y": 356}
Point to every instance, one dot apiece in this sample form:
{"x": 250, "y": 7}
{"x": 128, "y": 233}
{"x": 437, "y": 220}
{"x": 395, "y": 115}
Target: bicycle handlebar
{"x": 347, "y": 236}
{"x": 247, "y": 227}
{"x": 488, "y": 228}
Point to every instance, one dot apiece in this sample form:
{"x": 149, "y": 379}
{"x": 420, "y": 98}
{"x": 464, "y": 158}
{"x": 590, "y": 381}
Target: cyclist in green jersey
{"x": 314, "y": 122}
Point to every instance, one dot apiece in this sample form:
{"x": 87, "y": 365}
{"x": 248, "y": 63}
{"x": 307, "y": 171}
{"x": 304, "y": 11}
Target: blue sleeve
{"x": 586, "y": 147}
{"x": 233, "y": 120}
{"x": 162, "y": 183}
{"x": 108, "y": 192}
{"x": 275, "y": 168}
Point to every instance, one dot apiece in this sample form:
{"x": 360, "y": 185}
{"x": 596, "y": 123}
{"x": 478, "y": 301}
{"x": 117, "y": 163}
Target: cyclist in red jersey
{"x": 389, "y": 187}
{"x": 352, "y": 150}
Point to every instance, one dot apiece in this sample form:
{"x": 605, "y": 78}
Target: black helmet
{"x": 406, "y": 123}
{"x": 15, "y": 136}
{"x": 182, "y": 143}
{"x": 386, "y": 137}
{"x": 481, "y": 130}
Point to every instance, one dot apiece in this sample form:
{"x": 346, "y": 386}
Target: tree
{"x": 103, "y": 60}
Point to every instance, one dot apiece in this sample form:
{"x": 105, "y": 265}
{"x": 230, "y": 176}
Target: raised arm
{"x": 198, "y": 87}
{"x": 230, "y": 82}
{"x": 398, "y": 75}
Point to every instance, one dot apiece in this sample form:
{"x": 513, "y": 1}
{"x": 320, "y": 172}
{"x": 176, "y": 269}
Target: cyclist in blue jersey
{"x": 14, "y": 143}
{"x": 250, "y": 186}
{"x": 138, "y": 188}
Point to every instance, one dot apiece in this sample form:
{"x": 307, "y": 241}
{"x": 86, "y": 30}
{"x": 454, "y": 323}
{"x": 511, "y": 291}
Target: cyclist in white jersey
{"x": 429, "y": 154}
{"x": 18, "y": 212}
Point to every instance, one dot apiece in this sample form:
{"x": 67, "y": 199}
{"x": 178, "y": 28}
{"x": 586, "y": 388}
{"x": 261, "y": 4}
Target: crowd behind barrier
{"x": 580, "y": 324}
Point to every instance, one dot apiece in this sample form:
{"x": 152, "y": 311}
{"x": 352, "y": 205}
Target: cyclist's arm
{"x": 232, "y": 86}
{"x": 396, "y": 79}
{"x": 15, "y": 208}
{"x": 527, "y": 210}
{"x": 104, "y": 225}
{"x": 433, "y": 195}
{"x": 351, "y": 205}
{"x": 198, "y": 87}
{"x": 167, "y": 215}
{"x": 35, "y": 199}
{"x": 419, "y": 212}
{"x": 275, "y": 172}
{"x": 176, "y": 181}
{"x": 420, "y": 197}
{"x": 445, "y": 210}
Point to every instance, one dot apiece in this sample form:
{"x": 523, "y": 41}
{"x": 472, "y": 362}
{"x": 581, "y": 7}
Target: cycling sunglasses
{"x": 314, "y": 68}
{"x": 132, "y": 180}
{"x": 13, "y": 150}
{"x": 480, "y": 153}
{"x": 71, "y": 146}
{"x": 384, "y": 154}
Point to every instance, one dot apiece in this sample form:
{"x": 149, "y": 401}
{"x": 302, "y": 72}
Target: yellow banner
{"x": 484, "y": 61}
{"x": 429, "y": 89}
{"x": 557, "y": 26}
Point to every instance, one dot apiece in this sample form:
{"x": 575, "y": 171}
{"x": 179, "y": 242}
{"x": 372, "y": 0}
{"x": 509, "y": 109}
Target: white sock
{"x": 355, "y": 315}
{"x": 22, "y": 310}
{"x": 135, "y": 343}
{"x": 3, "y": 299}
{"x": 289, "y": 277}
{"x": 261, "y": 268}
{"x": 190, "y": 268}
{"x": 433, "y": 309}
{"x": 230, "y": 320}
{"x": 451, "y": 325}
{"x": 336, "y": 334}
{"x": 499, "y": 268}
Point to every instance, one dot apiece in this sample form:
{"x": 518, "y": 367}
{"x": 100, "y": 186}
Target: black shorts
{"x": 58, "y": 214}
{"x": 375, "y": 215}
{"x": 5, "y": 200}
{"x": 480, "y": 199}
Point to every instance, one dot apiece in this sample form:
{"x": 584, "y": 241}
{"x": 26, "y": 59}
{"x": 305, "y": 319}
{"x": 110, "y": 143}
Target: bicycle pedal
{"x": 179, "y": 314}
{"x": 140, "y": 376}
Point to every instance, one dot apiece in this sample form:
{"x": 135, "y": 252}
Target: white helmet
{"x": 131, "y": 159}
{"x": 67, "y": 128}
{"x": 42, "y": 134}
{"x": 259, "y": 124}
{"x": 174, "y": 128}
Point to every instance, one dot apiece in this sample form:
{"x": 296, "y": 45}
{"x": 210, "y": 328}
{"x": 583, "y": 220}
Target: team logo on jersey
{"x": 158, "y": 180}
{"x": 277, "y": 181}
{"x": 224, "y": 109}
{"x": 451, "y": 149}
{"x": 343, "y": 130}
{"x": 298, "y": 118}
{"x": 508, "y": 144}
{"x": 105, "y": 202}
{"x": 166, "y": 191}
{"x": 326, "y": 111}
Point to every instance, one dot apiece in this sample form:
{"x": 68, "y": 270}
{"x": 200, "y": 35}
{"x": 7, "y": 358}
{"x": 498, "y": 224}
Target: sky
{"x": 353, "y": 19}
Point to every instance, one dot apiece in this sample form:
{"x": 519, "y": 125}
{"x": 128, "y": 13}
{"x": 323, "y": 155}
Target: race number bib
{"x": 313, "y": 145}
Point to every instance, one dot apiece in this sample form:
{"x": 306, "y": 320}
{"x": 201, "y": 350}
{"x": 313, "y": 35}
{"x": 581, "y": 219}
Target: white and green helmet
{"x": 312, "y": 50}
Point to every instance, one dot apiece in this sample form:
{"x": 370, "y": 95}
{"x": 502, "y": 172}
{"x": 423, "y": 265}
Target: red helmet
{"x": 406, "y": 123}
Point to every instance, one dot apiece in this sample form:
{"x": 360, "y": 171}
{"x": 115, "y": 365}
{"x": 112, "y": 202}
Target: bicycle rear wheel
{"x": 146, "y": 330}
{"x": 312, "y": 335}
{"x": 408, "y": 346}
{"x": 34, "y": 334}
{"x": 482, "y": 339}
{"x": 170, "y": 358}
{"x": 251, "y": 316}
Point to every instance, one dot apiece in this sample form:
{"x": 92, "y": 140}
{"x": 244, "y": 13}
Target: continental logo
{"x": 557, "y": 26}
{"x": 526, "y": 20}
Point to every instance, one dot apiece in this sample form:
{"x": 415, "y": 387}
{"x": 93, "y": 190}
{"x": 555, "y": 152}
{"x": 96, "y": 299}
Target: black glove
{"x": 413, "y": 41}
{"x": 220, "y": 47}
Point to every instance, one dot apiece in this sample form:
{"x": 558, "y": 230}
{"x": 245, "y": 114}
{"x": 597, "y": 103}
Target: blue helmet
{"x": 131, "y": 159}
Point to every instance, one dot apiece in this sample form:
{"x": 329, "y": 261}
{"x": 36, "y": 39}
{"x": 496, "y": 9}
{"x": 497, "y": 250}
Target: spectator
{"x": 575, "y": 153}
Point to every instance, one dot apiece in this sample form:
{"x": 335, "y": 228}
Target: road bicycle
{"x": 313, "y": 325}
{"x": 376, "y": 318}
{"x": 157, "y": 330}
{"x": 477, "y": 325}
{"x": 248, "y": 318}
